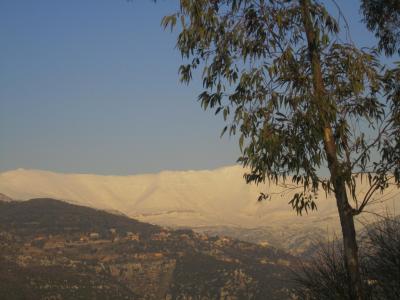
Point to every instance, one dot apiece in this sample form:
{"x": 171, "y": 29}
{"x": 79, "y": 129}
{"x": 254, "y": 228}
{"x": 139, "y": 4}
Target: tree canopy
{"x": 301, "y": 98}
{"x": 257, "y": 72}
{"x": 383, "y": 18}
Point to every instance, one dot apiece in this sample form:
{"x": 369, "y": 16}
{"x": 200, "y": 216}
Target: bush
{"x": 325, "y": 277}
{"x": 382, "y": 258}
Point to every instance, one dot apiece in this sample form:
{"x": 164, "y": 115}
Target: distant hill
{"x": 50, "y": 249}
{"x": 214, "y": 201}
{"x": 49, "y": 216}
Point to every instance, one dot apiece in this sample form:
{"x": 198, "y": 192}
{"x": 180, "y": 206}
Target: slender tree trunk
{"x": 336, "y": 170}
{"x": 346, "y": 217}
{"x": 349, "y": 239}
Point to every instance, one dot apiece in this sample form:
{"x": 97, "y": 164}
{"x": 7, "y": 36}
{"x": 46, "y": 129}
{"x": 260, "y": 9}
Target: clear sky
{"x": 91, "y": 86}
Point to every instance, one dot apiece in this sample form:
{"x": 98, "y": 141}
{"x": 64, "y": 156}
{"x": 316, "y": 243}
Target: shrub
{"x": 324, "y": 276}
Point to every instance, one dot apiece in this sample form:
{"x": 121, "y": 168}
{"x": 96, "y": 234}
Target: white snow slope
{"x": 183, "y": 198}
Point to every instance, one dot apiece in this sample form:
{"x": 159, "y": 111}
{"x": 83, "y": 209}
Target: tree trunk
{"x": 335, "y": 168}
{"x": 349, "y": 239}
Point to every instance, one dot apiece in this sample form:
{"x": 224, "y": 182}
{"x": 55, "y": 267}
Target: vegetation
{"x": 29, "y": 217}
{"x": 383, "y": 18}
{"x": 382, "y": 258}
{"x": 55, "y": 250}
{"x": 325, "y": 276}
{"x": 301, "y": 99}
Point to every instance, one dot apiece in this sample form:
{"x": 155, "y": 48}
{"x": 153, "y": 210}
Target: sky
{"x": 92, "y": 86}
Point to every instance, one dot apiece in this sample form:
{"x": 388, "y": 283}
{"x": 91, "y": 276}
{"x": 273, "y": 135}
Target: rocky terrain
{"x": 210, "y": 201}
{"x": 50, "y": 249}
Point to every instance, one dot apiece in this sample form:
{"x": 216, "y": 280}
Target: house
{"x": 94, "y": 236}
{"x": 132, "y": 236}
{"x": 160, "y": 236}
{"x": 83, "y": 238}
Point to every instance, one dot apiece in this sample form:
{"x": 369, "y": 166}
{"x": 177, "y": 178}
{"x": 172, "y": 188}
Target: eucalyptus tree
{"x": 383, "y": 18}
{"x": 300, "y": 98}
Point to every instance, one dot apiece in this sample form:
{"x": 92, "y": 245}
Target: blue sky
{"x": 91, "y": 86}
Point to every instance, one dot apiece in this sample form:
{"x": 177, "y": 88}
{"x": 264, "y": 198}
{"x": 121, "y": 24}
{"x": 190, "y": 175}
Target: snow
{"x": 217, "y": 197}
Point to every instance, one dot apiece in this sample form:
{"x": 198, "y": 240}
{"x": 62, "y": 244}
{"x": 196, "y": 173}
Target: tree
{"x": 300, "y": 98}
{"x": 383, "y": 18}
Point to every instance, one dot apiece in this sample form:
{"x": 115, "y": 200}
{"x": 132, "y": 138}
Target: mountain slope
{"x": 5, "y": 198}
{"x": 206, "y": 200}
{"x": 53, "y": 250}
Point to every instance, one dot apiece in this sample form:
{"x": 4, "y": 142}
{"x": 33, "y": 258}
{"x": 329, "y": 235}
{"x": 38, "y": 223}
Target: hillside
{"x": 214, "y": 201}
{"x": 54, "y": 250}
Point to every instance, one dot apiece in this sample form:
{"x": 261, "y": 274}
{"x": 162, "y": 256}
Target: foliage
{"x": 391, "y": 150}
{"x": 325, "y": 276}
{"x": 257, "y": 71}
{"x": 383, "y": 18}
{"x": 382, "y": 255}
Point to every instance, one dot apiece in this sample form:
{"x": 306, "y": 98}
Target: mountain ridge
{"x": 201, "y": 200}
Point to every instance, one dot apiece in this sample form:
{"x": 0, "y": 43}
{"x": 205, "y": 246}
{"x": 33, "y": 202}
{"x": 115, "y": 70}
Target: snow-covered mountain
{"x": 5, "y": 198}
{"x": 197, "y": 199}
